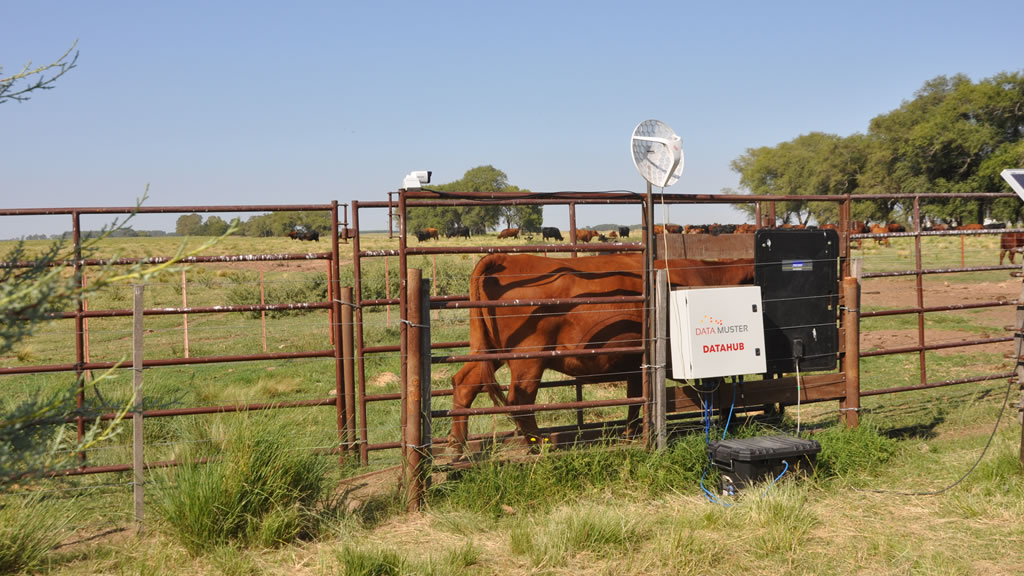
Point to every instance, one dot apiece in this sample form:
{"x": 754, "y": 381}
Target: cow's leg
{"x": 526, "y": 375}
{"x": 634, "y": 389}
{"x": 1002, "y": 253}
{"x": 466, "y": 384}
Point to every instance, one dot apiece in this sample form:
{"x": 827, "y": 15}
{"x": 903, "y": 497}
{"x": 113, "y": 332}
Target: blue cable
{"x": 731, "y": 408}
{"x": 777, "y": 478}
{"x": 708, "y": 412}
{"x": 708, "y": 494}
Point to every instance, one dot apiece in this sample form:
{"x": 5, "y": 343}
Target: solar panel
{"x": 1015, "y": 178}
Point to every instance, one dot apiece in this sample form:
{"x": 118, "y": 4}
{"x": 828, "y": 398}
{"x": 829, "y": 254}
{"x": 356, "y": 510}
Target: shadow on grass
{"x": 920, "y": 431}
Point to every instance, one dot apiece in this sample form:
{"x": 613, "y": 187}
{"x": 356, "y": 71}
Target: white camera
{"x": 416, "y": 179}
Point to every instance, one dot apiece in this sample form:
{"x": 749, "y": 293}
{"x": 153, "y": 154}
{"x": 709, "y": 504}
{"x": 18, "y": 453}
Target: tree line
{"x": 479, "y": 219}
{"x": 955, "y": 136}
{"x": 260, "y": 225}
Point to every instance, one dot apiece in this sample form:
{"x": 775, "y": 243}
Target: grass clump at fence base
{"x": 847, "y": 451}
{"x": 257, "y": 490}
{"x": 494, "y": 487}
{"x": 30, "y": 526}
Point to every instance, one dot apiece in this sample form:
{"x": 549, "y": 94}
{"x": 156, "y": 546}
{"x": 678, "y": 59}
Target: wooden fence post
{"x": 417, "y": 357}
{"x": 137, "y": 357}
{"x": 660, "y": 357}
{"x": 849, "y": 407}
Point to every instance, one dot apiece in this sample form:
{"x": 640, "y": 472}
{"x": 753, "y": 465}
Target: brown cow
{"x": 427, "y": 234}
{"x": 879, "y": 229}
{"x": 509, "y": 233}
{"x": 669, "y": 228}
{"x": 564, "y": 327}
{"x": 1010, "y": 243}
{"x": 586, "y": 235}
{"x": 971, "y": 227}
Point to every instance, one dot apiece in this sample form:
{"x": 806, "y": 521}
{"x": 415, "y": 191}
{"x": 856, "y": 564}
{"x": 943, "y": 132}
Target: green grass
{"x": 31, "y": 525}
{"x": 258, "y": 490}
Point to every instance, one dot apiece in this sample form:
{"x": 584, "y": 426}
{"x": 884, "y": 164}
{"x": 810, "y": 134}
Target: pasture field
{"x": 606, "y": 510}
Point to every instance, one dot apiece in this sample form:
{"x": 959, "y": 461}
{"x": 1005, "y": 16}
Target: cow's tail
{"x": 483, "y": 331}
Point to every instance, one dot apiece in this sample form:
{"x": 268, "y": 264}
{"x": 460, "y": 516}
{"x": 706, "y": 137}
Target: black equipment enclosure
{"x": 743, "y": 461}
{"x": 798, "y": 272}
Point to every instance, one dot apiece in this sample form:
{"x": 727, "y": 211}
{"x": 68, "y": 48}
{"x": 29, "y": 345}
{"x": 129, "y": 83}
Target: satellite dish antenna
{"x": 657, "y": 153}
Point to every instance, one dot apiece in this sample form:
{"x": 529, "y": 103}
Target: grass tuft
{"x": 257, "y": 491}
{"x": 370, "y": 562}
{"x": 570, "y": 532}
{"x": 30, "y": 526}
{"x": 848, "y": 451}
{"x": 499, "y": 488}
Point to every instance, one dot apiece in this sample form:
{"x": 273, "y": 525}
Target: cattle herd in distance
{"x": 1010, "y": 243}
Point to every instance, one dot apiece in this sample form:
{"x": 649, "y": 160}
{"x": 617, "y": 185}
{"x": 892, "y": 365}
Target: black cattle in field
{"x": 458, "y": 231}
{"x": 623, "y": 231}
{"x": 551, "y": 232}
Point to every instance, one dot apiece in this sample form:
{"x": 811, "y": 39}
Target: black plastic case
{"x": 743, "y": 461}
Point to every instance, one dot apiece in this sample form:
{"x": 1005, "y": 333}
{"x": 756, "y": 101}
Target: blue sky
{"x": 307, "y": 102}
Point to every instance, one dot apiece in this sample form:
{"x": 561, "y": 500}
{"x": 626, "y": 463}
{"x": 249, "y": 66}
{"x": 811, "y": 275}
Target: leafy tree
{"x": 189, "y": 225}
{"x": 809, "y": 165}
{"x": 258, "y": 227}
{"x": 954, "y": 137}
{"x": 214, "y": 226}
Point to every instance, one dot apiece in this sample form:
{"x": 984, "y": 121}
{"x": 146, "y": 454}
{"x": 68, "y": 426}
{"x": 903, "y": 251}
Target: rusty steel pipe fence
{"x": 353, "y": 398}
{"x": 832, "y": 387}
{"x": 343, "y": 389}
{"x": 920, "y": 310}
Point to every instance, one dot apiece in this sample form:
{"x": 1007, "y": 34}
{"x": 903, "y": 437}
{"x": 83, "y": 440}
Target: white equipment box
{"x": 716, "y": 332}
